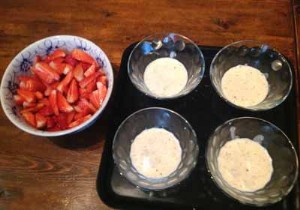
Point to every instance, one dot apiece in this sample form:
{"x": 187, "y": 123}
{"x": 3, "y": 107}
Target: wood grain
{"x": 60, "y": 173}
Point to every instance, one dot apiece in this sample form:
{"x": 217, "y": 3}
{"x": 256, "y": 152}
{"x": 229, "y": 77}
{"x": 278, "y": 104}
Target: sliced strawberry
{"x": 95, "y": 98}
{"x": 18, "y": 99}
{"x": 83, "y": 104}
{"x": 79, "y": 121}
{"x": 67, "y": 69}
{"x": 103, "y": 80}
{"x": 31, "y": 84}
{"x": 81, "y": 55}
{"x": 41, "y": 121}
{"x": 70, "y": 60}
{"x": 61, "y": 121}
{"x": 45, "y": 101}
{"x": 63, "y": 104}
{"x": 91, "y": 70}
{"x": 58, "y": 53}
{"x": 65, "y": 82}
{"x": 45, "y": 72}
{"x": 85, "y": 66}
{"x": 83, "y": 83}
{"x": 29, "y": 117}
{"x": 70, "y": 117}
{"x": 33, "y": 109}
{"x": 39, "y": 95}
{"x": 73, "y": 94}
{"x": 102, "y": 91}
{"x": 26, "y": 95}
{"x": 50, "y": 122}
{"x": 46, "y": 111}
{"x": 78, "y": 72}
{"x": 48, "y": 91}
{"x": 83, "y": 93}
{"x": 53, "y": 102}
{"x": 28, "y": 105}
{"x": 91, "y": 86}
{"x": 57, "y": 66}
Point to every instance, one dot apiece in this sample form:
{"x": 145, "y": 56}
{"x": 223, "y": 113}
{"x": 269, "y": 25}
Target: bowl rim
{"x": 259, "y": 43}
{"x": 77, "y": 128}
{"x": 178, "y": 95}
{"x": 224, "y": 190}
{"x": 141, "y": 175}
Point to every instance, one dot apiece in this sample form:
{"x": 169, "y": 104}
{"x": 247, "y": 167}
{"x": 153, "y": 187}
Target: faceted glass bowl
{"x": 258, "y": 55}
{"x": 279, "y": 147}
{"x": 159, "y": 118}
{"x": 166, "y": 45}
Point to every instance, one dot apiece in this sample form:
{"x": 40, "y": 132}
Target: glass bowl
{"x": 279, "y": 147}
{"x": 159, "y": 118}
{"x": 166, "y": 45}
{"x": 262, "y": 57}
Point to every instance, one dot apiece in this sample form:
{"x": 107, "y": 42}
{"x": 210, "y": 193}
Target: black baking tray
{"x": 205, "y": 110}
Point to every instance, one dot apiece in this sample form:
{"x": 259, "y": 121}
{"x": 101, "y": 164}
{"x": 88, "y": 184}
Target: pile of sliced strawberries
{"x": 65, "y": 90}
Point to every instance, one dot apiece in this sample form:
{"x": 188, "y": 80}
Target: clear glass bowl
{"x": 160, "y": 118}
{"x": 258, "y": 55}
{"x": 279, "y": 147}
{"x": 166, "y": 45}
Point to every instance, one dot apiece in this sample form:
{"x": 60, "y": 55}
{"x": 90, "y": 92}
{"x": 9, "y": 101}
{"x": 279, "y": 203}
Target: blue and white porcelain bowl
{"x": 20, "y": 65}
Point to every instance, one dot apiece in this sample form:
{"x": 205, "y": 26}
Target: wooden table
{"x": 60, "y": 173}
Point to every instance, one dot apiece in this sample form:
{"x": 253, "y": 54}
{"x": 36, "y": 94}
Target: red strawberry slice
{"x": 67, "y": 69}
{"x": 41, "y": 121}
{"x": 31, "y": 84}
{"x": 83, "y": 104}
{"x": 102, "y": 91}
{"x": 79, "y": 121}
{"x": 39, "y": 95}
{"x": 103, "y": 80}
{"x": 70, "y": 117}
{"x": 28, "y": 105}
{"x": 45, "y": 72}
{"x": 29, "y": 117}
{"x": 46, "y": 111}
{"x": 95, "y": 98}
{"x": 73, "y": 94}
{"x": 91, "y": 86}
{"x": 45, "y": 101}
{"x": 65, "y": 82}
{"x": 70, "y": 60}
{"x": 57, "y": 66}
{"x": 58, "y": 53}
{"x": 61, "y": 121}
{"x": 26, "y": 95}
{"x": 91, "y": 70}
{"x": 80, "y": 55}
{"x": 53, "y": 102}
{"x": 50, "y": 122}
{"x": 78, "y": 72}
{"x": 34, "y": 108}
{"x": 83, "y": 83}
{"x": 18, "y": 99}
{"x": 83, "y": 93}
{"x": 85, "y": 66}
{"x": 63, "y": 104}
